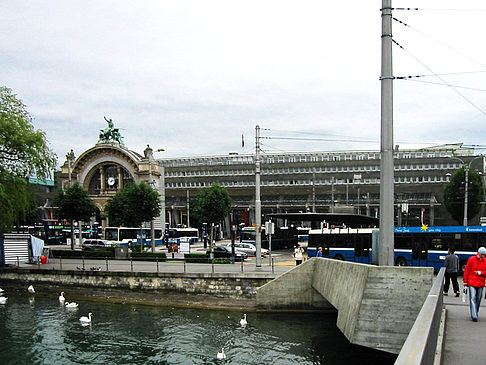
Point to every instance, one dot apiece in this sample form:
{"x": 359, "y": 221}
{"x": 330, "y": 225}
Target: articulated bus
{"x": 414, "y": 246}
{"x": 128, "y": 235}
{"x": 284, "y": 237}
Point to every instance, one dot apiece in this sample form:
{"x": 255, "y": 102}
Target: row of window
{"x": 249, "y": 183}
{"x": 307, "y": 157}
{"x": 287, "y": 170}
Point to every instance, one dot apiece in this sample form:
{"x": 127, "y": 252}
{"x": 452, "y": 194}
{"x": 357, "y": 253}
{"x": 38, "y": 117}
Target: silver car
{"x": 248, "y": 248}
{"x": 96, "y": 243}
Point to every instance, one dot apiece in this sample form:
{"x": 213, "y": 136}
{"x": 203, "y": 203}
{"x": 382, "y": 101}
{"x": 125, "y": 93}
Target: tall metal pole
{"x": 313, "y": 192}
{"x": 332, "y": 194}
{"x": 187, "y": 203}
{"x": 258, "y": 206}
{"x": 152, "y": 230}
{"x": 386, "y": 237}
{"x": 466, "y": 170}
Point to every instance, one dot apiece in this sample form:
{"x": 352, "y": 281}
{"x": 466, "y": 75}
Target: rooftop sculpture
{"x": 110, "y": 134}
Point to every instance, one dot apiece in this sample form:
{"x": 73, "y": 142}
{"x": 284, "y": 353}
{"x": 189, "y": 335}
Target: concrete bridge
{"x": 376, "y": 305}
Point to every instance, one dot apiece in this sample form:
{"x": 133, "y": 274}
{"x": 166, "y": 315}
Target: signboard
{"x": 184, "y": 245}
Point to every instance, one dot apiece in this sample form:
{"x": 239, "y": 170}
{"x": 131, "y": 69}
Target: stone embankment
{"x": 209, "y": 290}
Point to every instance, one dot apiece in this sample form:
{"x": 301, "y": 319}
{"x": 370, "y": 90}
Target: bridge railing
{"x": 421, "y": 343}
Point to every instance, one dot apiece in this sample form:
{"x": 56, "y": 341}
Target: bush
{"x": 149, "y": 256}
{"x": 203, "y": 258}
{"x": 101, "y": 253}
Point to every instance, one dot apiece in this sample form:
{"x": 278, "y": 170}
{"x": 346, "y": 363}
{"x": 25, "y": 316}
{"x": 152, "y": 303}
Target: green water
{"x": 37, "y": 330}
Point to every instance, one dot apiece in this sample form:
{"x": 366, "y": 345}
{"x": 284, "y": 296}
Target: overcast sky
{"x": 192, "y": 76}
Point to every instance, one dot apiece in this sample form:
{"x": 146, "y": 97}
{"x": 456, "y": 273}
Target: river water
{"x": 37, "y": 330}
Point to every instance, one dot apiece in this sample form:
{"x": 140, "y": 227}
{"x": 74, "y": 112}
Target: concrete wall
{"x": 376, "y": 305}
{"x": 229, "y": 285}
{"x": 292, "y": 289}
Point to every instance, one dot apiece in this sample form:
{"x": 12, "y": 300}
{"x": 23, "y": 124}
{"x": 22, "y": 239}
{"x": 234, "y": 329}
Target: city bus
{"x": 125, "y": 236}
{"x": 414, "y": 246}
{"x": 192, "y": 234}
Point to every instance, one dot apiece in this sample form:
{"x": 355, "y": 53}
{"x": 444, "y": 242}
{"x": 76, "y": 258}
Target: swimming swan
{"x": 243, "y": 321}
{"x": 84, "y": 319}
{"x": 61, "y": 298}
{"x": 221, "y": 355}
{"x": 3, "y": 300}
{"x": 30, "y": 289}
{"x": 1, "y": 290}
{"x": 72, "y": 305}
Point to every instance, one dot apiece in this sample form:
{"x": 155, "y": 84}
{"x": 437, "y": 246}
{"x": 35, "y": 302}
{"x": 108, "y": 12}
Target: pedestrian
{"x": 298, "y": 255}
{"x": 319, "y": 252}
{"x": 474, "y": 278}
{"x": 451, "y": 264}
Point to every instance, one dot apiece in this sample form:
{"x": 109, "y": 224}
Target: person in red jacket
{"x": 474, "y": 278}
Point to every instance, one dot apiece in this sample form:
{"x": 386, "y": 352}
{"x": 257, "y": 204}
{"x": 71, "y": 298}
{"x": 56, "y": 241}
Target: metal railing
{"x": 421, "y": 343}
{"x": 156, "y": 265}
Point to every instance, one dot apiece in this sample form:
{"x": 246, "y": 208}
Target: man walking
{"x": 451, "y": 269}
{"x": 298, "y": 255}
{"x": 474, "y": 278}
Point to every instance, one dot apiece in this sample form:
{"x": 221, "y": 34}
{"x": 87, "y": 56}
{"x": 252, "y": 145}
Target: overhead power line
{"x": 440, "y": 78}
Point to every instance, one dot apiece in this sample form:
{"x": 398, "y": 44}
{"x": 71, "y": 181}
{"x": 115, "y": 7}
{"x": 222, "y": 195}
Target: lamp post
{"x": 467, "y": 167}
{"x": 150, "y": 155}
{"x": 70, "y": 158}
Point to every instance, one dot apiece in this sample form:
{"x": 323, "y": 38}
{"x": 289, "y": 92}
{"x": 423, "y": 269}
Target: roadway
{"x": 282, "y": 261}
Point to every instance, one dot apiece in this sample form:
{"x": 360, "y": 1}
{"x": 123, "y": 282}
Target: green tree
{"x": 23, "y": 152}
{"x": 17, "y": 202}
{"x": 211, "y": 205}
{"x": 133, "y": 205}
{"x": 454, "y": 195}
{"x": 75, "y": 205}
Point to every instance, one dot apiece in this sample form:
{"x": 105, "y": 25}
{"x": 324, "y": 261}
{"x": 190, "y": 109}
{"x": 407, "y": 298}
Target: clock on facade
{"x": 111, "y": 181}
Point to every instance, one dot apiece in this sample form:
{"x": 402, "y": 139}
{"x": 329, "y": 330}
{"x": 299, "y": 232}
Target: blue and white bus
{"x": 414, "y": 246}
{"x": 125, "y": 236}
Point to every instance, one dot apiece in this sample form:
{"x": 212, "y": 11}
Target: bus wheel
{"x": 339, "y": 257}
{"x": 462, "y": 266}
{"x": 401, "y": 261}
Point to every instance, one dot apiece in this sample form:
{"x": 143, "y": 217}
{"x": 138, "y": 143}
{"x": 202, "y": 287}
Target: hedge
{"x": 108, "y": 252}
{"x": 203, "y": 258}
{"x": 149, "y": 256}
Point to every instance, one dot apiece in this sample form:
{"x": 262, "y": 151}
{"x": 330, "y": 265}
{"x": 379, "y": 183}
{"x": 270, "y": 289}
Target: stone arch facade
{"x": 104, "y": 169}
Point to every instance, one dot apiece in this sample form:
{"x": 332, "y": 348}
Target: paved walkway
{"x": 464, "y": 339}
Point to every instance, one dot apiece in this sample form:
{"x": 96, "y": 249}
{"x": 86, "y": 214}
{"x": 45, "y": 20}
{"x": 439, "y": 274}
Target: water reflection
{"x": 42, "y": 331}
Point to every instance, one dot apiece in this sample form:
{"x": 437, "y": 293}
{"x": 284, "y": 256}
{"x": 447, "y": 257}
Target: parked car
{"x": 248, "y": 248}
{"x": 225, "y": 253}
{"x": 96, "y": 243}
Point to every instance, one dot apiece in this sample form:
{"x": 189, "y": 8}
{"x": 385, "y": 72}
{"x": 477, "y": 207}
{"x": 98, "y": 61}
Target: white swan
{"x": 71, "y": 305}
{"x": 30, "y": 289}
{"x": 61, "y": 298}
{"x": 243, "y": 321}
{"x": 3, "y": 300}
{"x": 84, "y": 319}
{"x": 1, "y": 290}
{"x": 221, "y": 355}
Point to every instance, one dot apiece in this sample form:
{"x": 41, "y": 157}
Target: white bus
{"x": 126, "y": 235}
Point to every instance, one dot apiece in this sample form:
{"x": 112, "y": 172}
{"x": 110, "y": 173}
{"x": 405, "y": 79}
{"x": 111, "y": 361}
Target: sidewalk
{"x": 463, "y": 338}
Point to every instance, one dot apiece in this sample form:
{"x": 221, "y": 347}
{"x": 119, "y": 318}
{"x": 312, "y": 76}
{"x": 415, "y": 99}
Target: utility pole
{"x": 386, "y": 235}
{"x": 258, "y": 203}
{"x": 187, "y": 203}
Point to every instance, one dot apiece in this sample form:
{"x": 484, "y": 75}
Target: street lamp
{"x": 149, "y": 154}
{"x": 467, "y": 167}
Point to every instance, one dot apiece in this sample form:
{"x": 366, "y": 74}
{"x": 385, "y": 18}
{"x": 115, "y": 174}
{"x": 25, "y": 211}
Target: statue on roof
{"x": 110, "y": 134}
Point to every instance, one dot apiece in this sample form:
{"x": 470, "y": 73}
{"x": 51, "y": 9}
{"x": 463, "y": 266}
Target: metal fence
{"x": 169, "y": 265}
